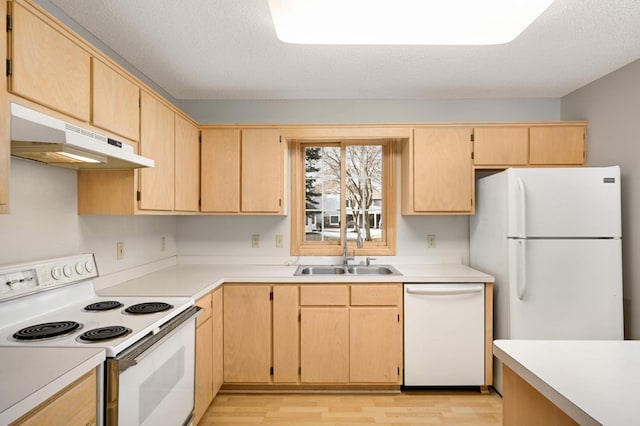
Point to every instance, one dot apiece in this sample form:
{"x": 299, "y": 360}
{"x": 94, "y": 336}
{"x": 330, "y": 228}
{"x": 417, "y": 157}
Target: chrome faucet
{"x": 345, "y": 258}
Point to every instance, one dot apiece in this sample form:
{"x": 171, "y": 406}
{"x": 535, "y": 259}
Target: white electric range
{"x": 149, "y": 341}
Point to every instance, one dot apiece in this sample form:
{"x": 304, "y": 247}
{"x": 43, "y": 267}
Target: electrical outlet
{"x": 431, "y": 241}
{"x": 279, "y": 242}
{"x": 120, "y": 250}
{"x": 163, "y": 243}
{"x": 255, "y": 240}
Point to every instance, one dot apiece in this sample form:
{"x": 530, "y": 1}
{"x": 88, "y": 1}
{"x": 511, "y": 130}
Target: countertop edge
{"x": 210, "y": 277}
{"x": 549, "y": 392}
{"x": 42, "y": 394}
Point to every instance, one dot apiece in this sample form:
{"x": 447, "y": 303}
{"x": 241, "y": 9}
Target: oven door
{"x": 152, "y": 383}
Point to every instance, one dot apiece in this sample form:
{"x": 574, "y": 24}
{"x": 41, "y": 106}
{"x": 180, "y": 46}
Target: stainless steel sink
{"x": 350, "y": 270}
{"x": 373, "y": 270}
{"x": 319, "y": 270}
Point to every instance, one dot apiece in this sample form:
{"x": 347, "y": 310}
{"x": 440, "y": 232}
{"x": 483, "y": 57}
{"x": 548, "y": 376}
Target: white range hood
{"x": 40, "y": 137}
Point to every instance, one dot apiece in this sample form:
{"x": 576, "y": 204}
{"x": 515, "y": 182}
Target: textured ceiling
{"x": 227, "y": 49}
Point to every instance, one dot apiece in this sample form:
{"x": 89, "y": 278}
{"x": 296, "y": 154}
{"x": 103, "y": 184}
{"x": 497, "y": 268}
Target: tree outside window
{"x": 345, "y": 181}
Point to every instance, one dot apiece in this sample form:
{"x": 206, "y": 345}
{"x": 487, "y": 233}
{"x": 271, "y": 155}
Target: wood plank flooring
{"x": 407, "y": 408}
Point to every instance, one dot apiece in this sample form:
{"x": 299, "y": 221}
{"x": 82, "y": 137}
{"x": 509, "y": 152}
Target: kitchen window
{"x": 335, "y": 182}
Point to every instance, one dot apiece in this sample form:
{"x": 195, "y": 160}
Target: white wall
{"x": 371, "y": 110}
{"x": 224, "y": 235}
{"x": 611, "y": 105}
{"x": 44, "y": 223}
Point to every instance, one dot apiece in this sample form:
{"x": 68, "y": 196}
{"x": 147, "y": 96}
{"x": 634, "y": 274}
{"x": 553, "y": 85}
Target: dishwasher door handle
{"x": 445, "y": 292}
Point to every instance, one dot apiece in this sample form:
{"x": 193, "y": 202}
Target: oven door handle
{"x": 137, "y": 352}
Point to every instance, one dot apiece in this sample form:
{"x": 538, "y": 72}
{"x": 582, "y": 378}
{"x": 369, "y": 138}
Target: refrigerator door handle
{"x": 523, "y": 208}
{"x": 521, "y": 272}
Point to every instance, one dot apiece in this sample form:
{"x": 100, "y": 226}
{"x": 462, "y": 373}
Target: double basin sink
{"x": 346, "y": 270}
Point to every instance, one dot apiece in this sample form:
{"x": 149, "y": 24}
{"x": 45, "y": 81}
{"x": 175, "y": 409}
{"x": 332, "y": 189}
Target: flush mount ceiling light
{"x": 407, "y": 22}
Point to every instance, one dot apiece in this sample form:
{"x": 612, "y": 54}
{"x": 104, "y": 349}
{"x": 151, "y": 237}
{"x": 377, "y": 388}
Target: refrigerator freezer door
{"x": 564, "y": 202}
{"x": 565, "y": 289}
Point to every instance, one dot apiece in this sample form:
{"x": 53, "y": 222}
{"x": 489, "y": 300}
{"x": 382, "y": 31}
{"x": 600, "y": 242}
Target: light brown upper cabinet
{"x": 242, "y": 171}
{"x": 47, "y": 67}
{"x": 507, "y": 146}
{"x": 220, "y": 171}
{"x": 157, "y": 132}
{"x": 437, "y": 171}
{"x": 557, "y": 145}
{"x": 115, "y": 101}
{"x": 145, "y": 190}
{"x": 527, "y": 145}
{"x": 187, "y": 163}
{"x": 262, "y": 171}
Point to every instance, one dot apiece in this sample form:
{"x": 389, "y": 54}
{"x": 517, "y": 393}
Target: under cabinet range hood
{"x": 40, "y": 137}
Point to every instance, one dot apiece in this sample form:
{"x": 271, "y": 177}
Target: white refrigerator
{"x": 551, "y": 237}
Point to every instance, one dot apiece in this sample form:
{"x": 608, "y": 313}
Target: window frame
{"x": 386, "y": 247}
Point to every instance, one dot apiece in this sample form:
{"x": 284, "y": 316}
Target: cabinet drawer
{"x": 205, "y": 303}
{"x": 376, "y": 295}
{"x": 324, "y": 295}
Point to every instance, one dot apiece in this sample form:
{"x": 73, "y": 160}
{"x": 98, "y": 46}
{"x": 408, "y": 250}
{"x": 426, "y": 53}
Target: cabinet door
{"x": 187, "y": 163}
{"x": 204, "y": 358}
{"x": 324, "y": 345}
{"x": 218, "y": 366}
{"x": 220, "y": 164}
{"x": 47, "y": 67}
{"x": 5, "y": 147}
{"x": 115, "y": 101}
{"x": 74, "y": 405}
{"x": 374, "y": 345}
{"x": 500, "y": 146}
{"x": 285, "y": 334}
{"x": 247, "y": 334}
{"x": 442, "y": 170}
{"x": 262, "y": 171}
{"x": 157, "y": 142}
{"x": 556, "y": 145}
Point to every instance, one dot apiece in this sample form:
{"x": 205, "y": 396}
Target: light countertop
{"x": 193, "y": 280}
{"x": 30, "y": 376}
{"x": 594, "y": 382}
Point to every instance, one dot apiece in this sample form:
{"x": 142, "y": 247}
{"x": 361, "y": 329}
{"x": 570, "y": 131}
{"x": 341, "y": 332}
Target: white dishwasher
{"x": 444, "y": 334}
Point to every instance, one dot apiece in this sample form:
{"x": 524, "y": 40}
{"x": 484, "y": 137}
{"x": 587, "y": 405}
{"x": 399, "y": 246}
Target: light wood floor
{"x": 413, "y": 408}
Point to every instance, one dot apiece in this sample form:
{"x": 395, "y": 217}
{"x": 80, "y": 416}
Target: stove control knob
{"x": 88, "y": 266}
{"x": 56, "y": 273}
{"x": 67, "y": 271}
{"x": 79, "y": 268}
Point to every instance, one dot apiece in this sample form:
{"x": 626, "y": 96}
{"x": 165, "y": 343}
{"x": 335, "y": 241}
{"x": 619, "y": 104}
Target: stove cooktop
{"x": 113, "y": 329}
{"x": 52, "y": 303}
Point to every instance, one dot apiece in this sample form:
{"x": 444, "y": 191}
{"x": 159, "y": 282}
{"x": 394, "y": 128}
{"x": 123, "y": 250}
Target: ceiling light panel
{"x": 403, "y": 22}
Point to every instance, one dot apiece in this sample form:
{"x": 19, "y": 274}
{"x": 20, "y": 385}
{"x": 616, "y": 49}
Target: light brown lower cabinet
{"x": 208, "y": 369}
{"x": 374, "y": 336}
{"x": 204, "y": 358}
{"x": 217, "y": 340}
{"x": 247, "y": 333}
{"x": 313, "y": 335}
{"x": 324, "y": 345}
{"x": 523, "y": 405}
{"x": 74, "y": 405}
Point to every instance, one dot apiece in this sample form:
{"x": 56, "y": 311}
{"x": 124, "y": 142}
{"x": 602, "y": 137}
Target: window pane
{"x": 322, "y": 193}
{"x": 364, "y": 188}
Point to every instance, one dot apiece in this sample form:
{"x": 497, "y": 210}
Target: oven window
{"x": 160, "y": 383}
